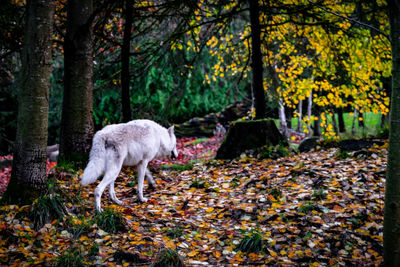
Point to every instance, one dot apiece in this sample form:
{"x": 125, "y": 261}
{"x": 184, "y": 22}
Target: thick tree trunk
{"x": 391, "y": 234}
{"x": 125, "y": 55}
{"x": 28, "y": 176}
{"x": 256, "y": 60}
{"x": 77, "y": 113}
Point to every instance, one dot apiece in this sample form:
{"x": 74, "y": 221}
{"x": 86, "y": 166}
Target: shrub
{"x": 109, "y": 221}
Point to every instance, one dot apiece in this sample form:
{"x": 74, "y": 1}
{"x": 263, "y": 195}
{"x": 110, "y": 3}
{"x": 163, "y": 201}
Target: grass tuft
{"x": 251, "y": 242}
{"x": 71, "y": 258}
{"x": 45, "y": 209}
{"x": 168, "y": 257}
{"x": 109, "y": 221}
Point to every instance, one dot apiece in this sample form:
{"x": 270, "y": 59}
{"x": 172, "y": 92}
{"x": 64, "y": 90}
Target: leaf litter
{"x": 309, "y": 209}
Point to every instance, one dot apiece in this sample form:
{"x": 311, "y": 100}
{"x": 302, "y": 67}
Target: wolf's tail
{"x": 96, "y": 165}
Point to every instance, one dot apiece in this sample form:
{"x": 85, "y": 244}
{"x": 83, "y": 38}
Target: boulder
{"x": 245, "y": 135}
{"x": 358, "y": 144}
{"x": 309, "y": 143}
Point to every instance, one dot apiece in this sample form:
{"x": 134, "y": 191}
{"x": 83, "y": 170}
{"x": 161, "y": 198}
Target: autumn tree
{"x": 77, "y": 112}
{"x": 28, "y": 177}
{"x": 391, "y": 235}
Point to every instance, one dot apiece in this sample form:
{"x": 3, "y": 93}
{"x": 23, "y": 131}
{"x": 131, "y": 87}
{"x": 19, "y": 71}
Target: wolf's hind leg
{"x": 113, "y": 195}
{"x": 150, "y": 180}
{"x": 141, "y": 169}
{"x": 109, "y": 178}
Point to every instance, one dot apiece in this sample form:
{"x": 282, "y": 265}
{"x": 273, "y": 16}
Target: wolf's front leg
{"x": 141, "y": 169}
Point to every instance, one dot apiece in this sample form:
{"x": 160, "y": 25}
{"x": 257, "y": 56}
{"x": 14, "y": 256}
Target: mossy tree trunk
{"x": 28, "y": 178}
{"x": 77, "y": 112}
{"x": 391, "y": 234}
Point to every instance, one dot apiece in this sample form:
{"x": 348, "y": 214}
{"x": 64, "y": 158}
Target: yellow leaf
{"x": 209, "y": 210}
{"x": 192, "y": 253}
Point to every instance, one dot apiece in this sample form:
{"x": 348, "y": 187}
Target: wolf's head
{"x": 174, "y": 152}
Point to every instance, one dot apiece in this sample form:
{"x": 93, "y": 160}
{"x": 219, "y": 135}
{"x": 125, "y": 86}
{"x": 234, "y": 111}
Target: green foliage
{"x": 383, "y": 133}
{"x": 198, "y": 183}
{"x": 280, "y": 150}
{"x": 71, "y": 258}
{"x": 174, "y": 232}
{"x": 358, "y": 219}
{"x": 276, "y": 193}
{"x": 307, "y": 207}
{"x": 252, "y": 242}
{"x": 128, "y": 257}
{"x": 168, "y": 258}
{"x": 109, "y": 221}
{"x": 342, "y": 154}
{"x": 94, "y": 250}
{"x": 177, "y": 167}
{"x": 78, "y": 228}
{"x": 45, "y": 209}
{"x": 319, "y": 194}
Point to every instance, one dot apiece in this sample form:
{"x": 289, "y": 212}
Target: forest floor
{"x": 319, "y": 208}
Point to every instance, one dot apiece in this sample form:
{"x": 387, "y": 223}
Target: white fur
{"x": 126, "y": 144}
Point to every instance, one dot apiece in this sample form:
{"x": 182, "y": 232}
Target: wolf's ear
{"x": 171, "y": 130}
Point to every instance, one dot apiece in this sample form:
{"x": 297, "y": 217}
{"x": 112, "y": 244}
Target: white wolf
{"x": 127, "y": 144}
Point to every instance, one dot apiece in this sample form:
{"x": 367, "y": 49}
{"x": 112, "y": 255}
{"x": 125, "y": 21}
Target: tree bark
{"x": 342, "y": 127}
{"x": 282, "y": 119}
{"x": 309, "y": 112}
{"x": 355, "y": 118}
{"x": 391, "y": 233}
{"x": 77, "y": 113}
{"x": 334, "y": 123}
{"x": 317, "y": 123}
{"x": 300, "y": 116}
{"x": 256, "y": 60}
{"x": 125, "y": 55}
{"x": 28, "y": 178}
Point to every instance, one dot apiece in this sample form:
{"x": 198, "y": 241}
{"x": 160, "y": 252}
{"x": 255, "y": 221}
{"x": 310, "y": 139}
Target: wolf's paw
{"x": 119, "y": 202}
{"x": 99, "y": 209}
{"x": 143, "y": 199}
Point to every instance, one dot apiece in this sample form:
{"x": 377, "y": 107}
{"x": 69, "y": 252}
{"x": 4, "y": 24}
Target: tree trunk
{"x": 342, "y": 126}
{"x": 300, "y": 115}
{"x": 28, "y": 178}
{"x": 361, "y": 122}
{"x": 256, "y": 60}
{"x": 282, "y": 119}
{"x": 317, "y": 123}
{"x": 334, "y": 123}
{"x": 391, "y": 233}
{"x": 353, "y": 127}
{"x": 309, "y": 112}
{"x": 77, "y": 113}
{"x": 125, "y": 55}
